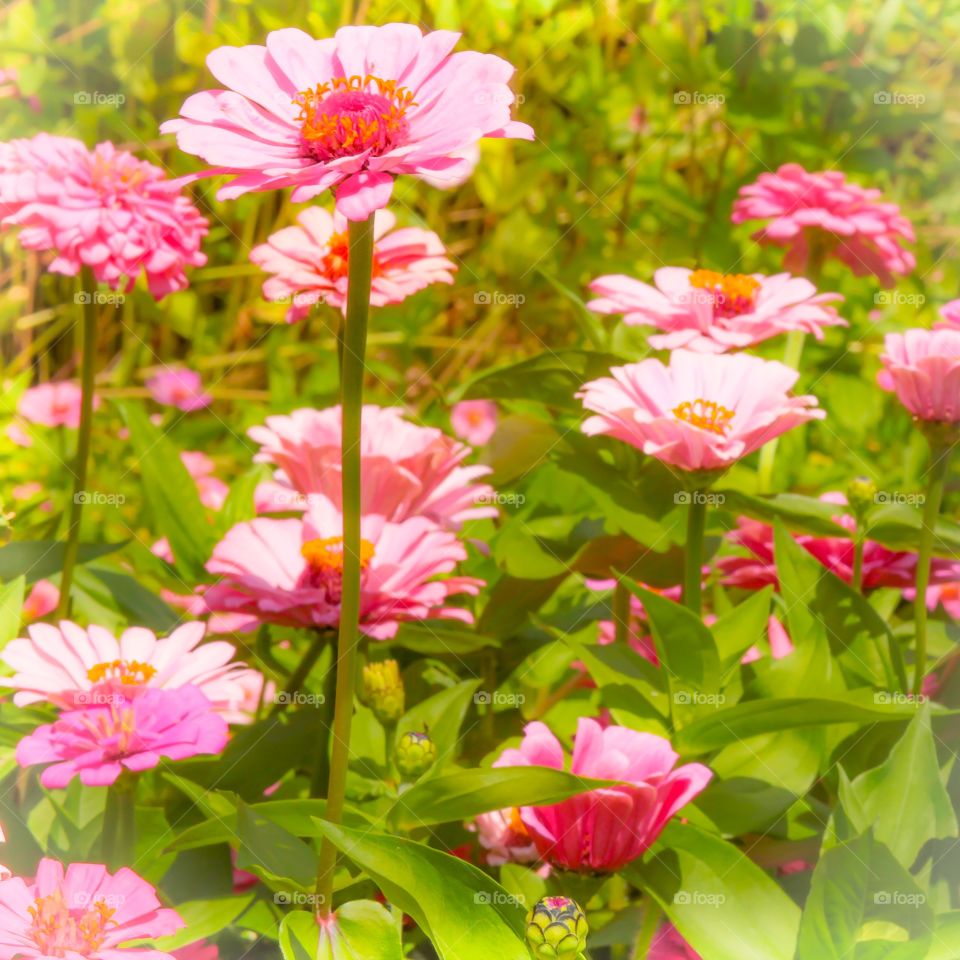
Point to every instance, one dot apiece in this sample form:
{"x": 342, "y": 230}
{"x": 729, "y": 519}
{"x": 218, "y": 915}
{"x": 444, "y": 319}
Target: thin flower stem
{"x": 858, "y": 545}
{"x": 351, "y": 401}
{"x": 693, "y": 562}
{"x": 310, "y": 657}
{"x": 621, "y": 613}
{"x": 119, "y": 824}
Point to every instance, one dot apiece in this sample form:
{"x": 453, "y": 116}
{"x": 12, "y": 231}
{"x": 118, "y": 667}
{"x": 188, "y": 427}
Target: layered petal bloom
{"x": 180, "y": 388}
{"x": 474, "y": 421}
{"x": 102, "y": 208}
{"x": 310, "y": 262}
{"x": 602, "y": 830}
{"x": 290, "y": 571}
{"x": 504, "y": 838}
{"x": 72, "y": 667}
{"x": 55, "y": 404}
{"x": 406, "y": 469}
{"x": 711, "y": 312}
{"x": 923, "y": 368}
{"x": 83, "y": 912}
{"x": 97, "y": 743}
{"x": 347, "y": 113}
{"x": 847, "y": 221}
{"x": 702, "y": 412}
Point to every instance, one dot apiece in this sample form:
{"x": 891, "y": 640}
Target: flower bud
{"x": 556, "y": 929}
{"x": 415, "y": 754}
{"x": 861, "y": 496}
{"x": 383, "y": 690}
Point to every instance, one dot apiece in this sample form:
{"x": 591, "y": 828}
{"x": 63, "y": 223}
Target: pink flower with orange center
{"x": 923, "y": 368}
{"x": 55, "y": 404}
{"x": 504, "y": 838}
{"x": 474, "y": 420}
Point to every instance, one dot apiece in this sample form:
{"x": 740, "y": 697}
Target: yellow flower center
{"x": 705, "y": 415}
{"x": 128, "y": 672}
{"x": 732, "y": 293}
{"x": 326, "y": 555}
{"x": 60, "y": 931}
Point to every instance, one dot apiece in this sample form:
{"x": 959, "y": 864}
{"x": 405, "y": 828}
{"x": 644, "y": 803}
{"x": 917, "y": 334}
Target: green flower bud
{"x": 415, "y": 754}
{"x": 861, "y": 495}
{"x": 557, "y": 929}
{"x": 383, "y": 690}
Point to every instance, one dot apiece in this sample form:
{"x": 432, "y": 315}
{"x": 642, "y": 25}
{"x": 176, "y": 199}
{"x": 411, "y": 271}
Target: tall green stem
{"x": 693, "y": 562}
{"x": 940, "y": 461}
{"x": 88, "y": 326}
{"x": 858, "y": 544}
{"x": 351, "y": 402}
{"x": 621, "y": 613}
{"x": 119, "y": 824}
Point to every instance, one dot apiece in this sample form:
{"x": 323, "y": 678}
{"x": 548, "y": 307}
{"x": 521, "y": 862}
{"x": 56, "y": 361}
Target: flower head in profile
{"x": 702, "y": 412}
{"x": 180, "y": 388}
{"x": 406, "y": 469}
{"x": 83, "y": 912}
{"x": 843, "y": 219}
{"x": 603, "y": 830}
{"x": 54, "y": 404}
{"x": 310, "y": 262}
{"x": 923, "y": 368}
{"x": 474, "y": 420}
{"x": 348, "y": 113}
{"x": 98, "y": 742}
{"x": 101, "y": 208}
{"x": 711, "y": 312}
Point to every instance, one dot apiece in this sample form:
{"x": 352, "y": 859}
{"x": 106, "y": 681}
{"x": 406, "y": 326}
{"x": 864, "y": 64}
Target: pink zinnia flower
{"x": 42, "y": 599}
{"x": 702, "y": 412}
{"x": 602, "y": 830}
{"x": 201, "y": 950}
{"x": 950, "y": 312}
{"x": 504, "y": 837}
{"x": 213, "y": 491}
{"x": 945, "y": 594}
{"x": 97, "y": 743}
{"x": 290, "y": 571}
{"x": 668, "y": 944}
{"x": 406, "y": 469}
{"x": 310, "y": 262}
{"x": 923, "y": 368}
{"x": 347, "y": 113}
{"x": 71, "y": 667}
{"x": 474, "y": 420}
{"x": 812, "y": 209}
{"x": 180, "y": 388}
{"x": 55, "y": 404}
{"x": 711, "y": 312}
{"x": 102, "y": 208}
{"x": 82, "y": 913}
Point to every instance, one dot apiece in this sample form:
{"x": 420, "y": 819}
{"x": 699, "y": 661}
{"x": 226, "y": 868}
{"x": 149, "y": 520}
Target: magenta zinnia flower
{"x": 310, "y": 262}
{"x": 406, "y": 469}
{"x": 55, "y": 404}
{"x": 702, "y": 412}
{"x": 290, "y": 571}
{"x": 82, "y": 913}
{"x": 474, "y": 420}
{"x": 102, "y": 208}
{"x": 347, "y": 113}
{"x": 180, "y": 388}
{"x": 712, "y": 312}
{"x": 603, "y": 830}
{"x": 824, "y": 209}
{"x": 923, "y": 368}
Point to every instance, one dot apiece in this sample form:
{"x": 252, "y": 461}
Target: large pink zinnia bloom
{"x": 406, "y": 469}
{"x": 72, "y": 667}
{"x": 347, "y": 113}
{"x": 102, "y": 208}
{"x": 805, "y": 209}
{"x": 702, "y": 412}
{"x": 82, "y": 913}
{"x": 290, "y": 571}
{"x": 602, "y": 830}
{"x": 54, "y": 404}
{"x": 310, "y": 262}
{"x": 711, "y": 312}
{"x": 97, "y": 743}
{"x": 923, "y": 368}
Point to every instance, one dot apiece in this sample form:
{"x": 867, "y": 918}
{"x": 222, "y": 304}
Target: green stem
{"x": 321, "y": 762}
{"x": 351, "y": 400}
{"x": 693, "y": 562}
{"x": 858, "y": 545}
{"x": 295, "y": 682}
{"x": 792, "y": 353}
{"x": 621, "y": 613}
{"x": 940, "y": 461}
{"x": 119, "y": 824}
{"x": 88, "y": 325}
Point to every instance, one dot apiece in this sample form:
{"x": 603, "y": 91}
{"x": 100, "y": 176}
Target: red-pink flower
{"x": 711, "y": 312}
{"x": 180, "y": 388}
{"x": 474, "y": 420}
{"x": 310, "y": 262}
{"x": 98, "y": 742}
{"x": 668, "y": 944}
{"x": 201, "y": 950}
{"x": 950, "y": 313}
{"x": 82, "y": 913}
{"x": 290, "y": 571}
{"x": 846, "y": 220}
{"x": 703, "y": 412}
{"x": 407, "y": 469}
{"x": 102, "y": 208}
{"x": 347, "y": 113}
{"x": 42, "y": 599}
{"x": 602, "y": 830}
{"x": 923, "y": 368}
{"x": 55, "y": 404}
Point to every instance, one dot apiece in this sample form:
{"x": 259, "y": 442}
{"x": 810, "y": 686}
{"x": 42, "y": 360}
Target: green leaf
{"x": 743, "y": 626}
{"x": 442, "y": 715}
{"x": 511, "y": 601}
{"x": 38, "y": 559}
{"x": 11, "y": 608}
{"x": 799, "y": 513}
{"x": 897, "y": 525}
{"x": 272, "y": 853}
{"x": 144, "y": 608}
{"x": 433, "y": 639}
{"x": 359, "y": 930}
{"x": 203, "y": 918}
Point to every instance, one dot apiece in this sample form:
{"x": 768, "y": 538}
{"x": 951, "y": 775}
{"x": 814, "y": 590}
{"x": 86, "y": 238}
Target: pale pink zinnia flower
{"x": 602, "y": 830}
{"x": 55, "y": 404}
{"x": 82, "y": 913}
{"x": 347, "y": 113}
{"x": 702, "y": 412}
{"x": 42, "y": 599}
{"x": 290, "y": 571}
{"x": 102, "y": 208}
{"x": 98, "y": 742}
{"x": 474, "y": 420}
{"x": 504, "y": 837}
{"x": 950, "y": 314}
{"x": 923, "y": 368}
{"x": 712, "y": 312}
{"x": 310, "y": 262}
{"x": 806, "y": 209}
{"x": 180, "y": 388}
{"x": 406, "y": 469}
